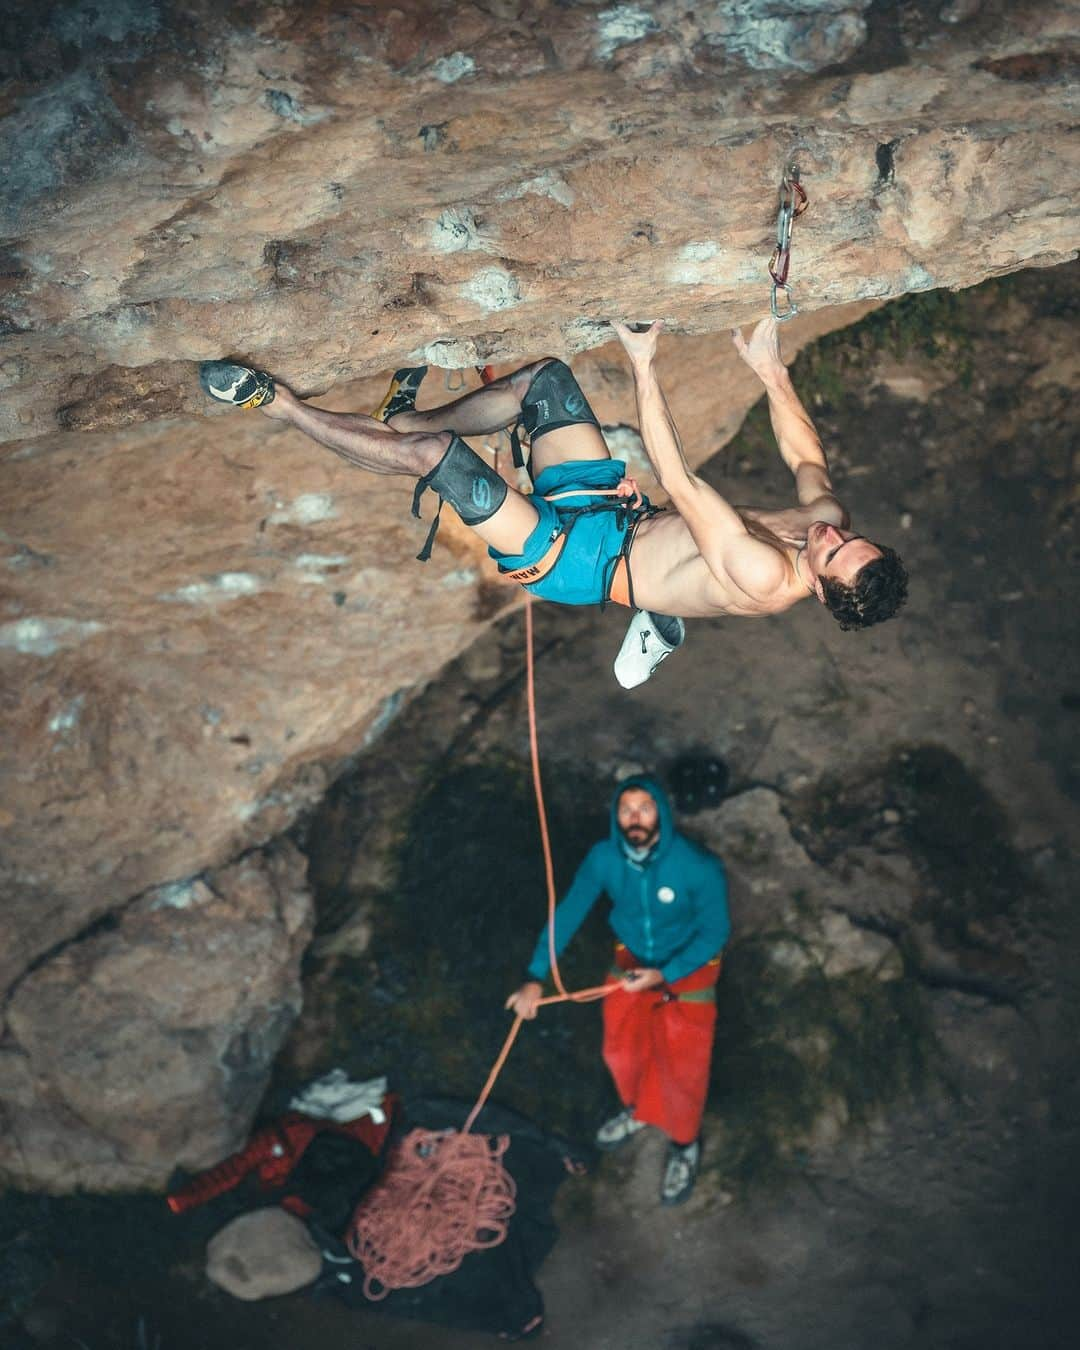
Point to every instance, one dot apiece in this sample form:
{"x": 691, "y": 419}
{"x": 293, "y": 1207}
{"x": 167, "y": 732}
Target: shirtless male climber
{"x": 570, "y": 540}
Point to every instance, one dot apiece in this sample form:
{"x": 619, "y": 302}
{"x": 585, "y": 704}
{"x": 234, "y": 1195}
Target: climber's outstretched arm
{"x": 800, "y": 446}
{"x": 730, "y": 552}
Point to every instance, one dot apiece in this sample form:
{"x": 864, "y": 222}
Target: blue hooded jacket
{"x": 670, "y": 909}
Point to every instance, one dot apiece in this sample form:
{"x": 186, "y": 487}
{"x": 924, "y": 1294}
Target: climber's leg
{"x": 478, "y": 413}
{"x": 358, "y": 438}
{"x": 560, "y": 423}
{"x": 502, "y": 517}
{"x": 543, "y": 396}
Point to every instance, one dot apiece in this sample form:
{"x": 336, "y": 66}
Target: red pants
{"x": 658, "y": 1046}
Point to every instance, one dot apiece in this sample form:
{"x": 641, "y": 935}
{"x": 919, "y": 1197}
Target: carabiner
{"x": 782, "y": 316}
{"x": 797, "y": 201}
{"x": 779, "y": 264}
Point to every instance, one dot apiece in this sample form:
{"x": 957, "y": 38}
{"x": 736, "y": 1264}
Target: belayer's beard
{"x": 637, "y": 836}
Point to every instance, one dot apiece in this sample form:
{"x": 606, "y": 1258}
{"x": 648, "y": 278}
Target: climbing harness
{"x": 793, "y": 202}
{"x": 630, "y": 509}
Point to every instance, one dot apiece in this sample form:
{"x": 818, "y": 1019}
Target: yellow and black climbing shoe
{"x": 239, "y": 386}
{"x": 401, "y": 396}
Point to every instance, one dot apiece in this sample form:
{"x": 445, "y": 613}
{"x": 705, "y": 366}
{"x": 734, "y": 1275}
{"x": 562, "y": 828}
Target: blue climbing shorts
{"x": 584, "y": 571}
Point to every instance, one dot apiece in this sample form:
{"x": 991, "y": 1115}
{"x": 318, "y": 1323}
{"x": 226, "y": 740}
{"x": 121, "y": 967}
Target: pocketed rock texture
{"x": 202, "y": 617}
{"x": 332, "y": 191}
{"x": 148, "y": 1044}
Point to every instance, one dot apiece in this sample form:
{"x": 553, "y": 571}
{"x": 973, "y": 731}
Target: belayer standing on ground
{"x": 670, "y": 918}
{"x": 570, "y": 540}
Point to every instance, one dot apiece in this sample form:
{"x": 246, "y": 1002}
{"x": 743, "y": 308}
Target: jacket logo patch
{"x": 665, "y": 895}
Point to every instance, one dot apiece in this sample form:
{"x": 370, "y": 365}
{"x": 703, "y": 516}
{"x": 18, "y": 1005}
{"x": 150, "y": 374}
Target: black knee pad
{"x": 462, "y": 478}
{"x": 471, "y": 486}
{"x": 554, "y": 399}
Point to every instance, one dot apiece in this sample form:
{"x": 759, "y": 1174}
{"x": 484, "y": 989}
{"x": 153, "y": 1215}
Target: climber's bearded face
{"x": 638, "y": 818}
{"x": 837, "y": 554}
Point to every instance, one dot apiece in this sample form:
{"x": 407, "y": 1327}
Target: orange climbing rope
{"x": 446, "y": 1194}
{"x": 564, "y": 995}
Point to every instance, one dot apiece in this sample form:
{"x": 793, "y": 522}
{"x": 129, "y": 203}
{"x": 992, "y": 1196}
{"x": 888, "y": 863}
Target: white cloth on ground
{"x": 335, "y": 1096}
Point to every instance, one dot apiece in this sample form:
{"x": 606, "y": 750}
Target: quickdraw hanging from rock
{"x": 793, "y": 202}
{"x": 456, "y": 380}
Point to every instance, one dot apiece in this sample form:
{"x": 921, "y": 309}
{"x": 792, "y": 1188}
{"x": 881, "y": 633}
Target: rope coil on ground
{"x": 442, "y": 1196}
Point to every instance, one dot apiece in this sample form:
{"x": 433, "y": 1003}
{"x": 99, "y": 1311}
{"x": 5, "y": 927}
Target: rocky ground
{"x": 891, "y": 1147}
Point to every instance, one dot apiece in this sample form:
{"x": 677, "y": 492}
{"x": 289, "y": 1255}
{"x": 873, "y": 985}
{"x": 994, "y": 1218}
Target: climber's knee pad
{"x": 554, "y": 399}
{"x": 471, "y": 486}
{"x": 463, "y": 479}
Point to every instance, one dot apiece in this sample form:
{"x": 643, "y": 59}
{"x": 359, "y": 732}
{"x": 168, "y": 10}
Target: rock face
{"x": 202, "y": 619}
{"x": 148, "y": 1045}
{"x": 827, "y": 930}
{"x": 331, "y": 192}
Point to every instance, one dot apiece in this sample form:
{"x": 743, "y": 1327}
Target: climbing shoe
{"x": 650, "y": 639}
{"x": 239, "y": 386}
{"x": 680, "y": 1172}
{"x": 618, "y": 1129}
{"x": 401, "y": 396}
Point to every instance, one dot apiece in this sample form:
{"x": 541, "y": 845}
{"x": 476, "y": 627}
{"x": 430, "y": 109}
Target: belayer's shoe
{"x": 680, "y": 1172}
{"x": 240, "y": 386}
{"x": 618, "y": 1129}
{"x": 401, "y": 396}
{"x": 650, "y": 639}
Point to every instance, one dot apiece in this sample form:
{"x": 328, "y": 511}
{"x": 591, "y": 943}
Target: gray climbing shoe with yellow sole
{"x": 239, "y": 386}
{"x": 401, "y": 396}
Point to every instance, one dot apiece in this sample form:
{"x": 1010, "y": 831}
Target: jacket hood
{"x": 663, "y": 806}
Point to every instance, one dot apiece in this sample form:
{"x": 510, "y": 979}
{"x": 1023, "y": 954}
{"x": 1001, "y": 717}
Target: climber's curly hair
{"x": 877, "y": 593}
